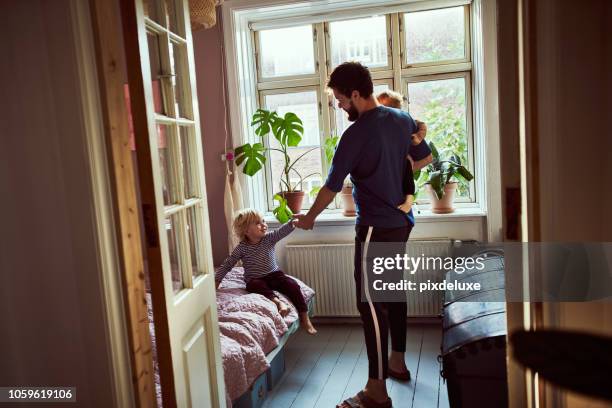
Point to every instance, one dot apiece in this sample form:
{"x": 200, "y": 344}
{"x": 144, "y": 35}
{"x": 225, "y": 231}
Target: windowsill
{"x": 335, "y": 218}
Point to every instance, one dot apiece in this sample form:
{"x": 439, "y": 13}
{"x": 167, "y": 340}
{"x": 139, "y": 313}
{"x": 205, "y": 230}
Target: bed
{"x": 252, "y": 334}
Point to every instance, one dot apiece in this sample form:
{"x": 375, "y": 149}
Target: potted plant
{"x": 441, "y": 177}
{"x": 288, "y": 131}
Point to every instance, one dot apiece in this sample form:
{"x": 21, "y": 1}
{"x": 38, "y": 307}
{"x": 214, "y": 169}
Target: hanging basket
{"x": 202, "y": 13}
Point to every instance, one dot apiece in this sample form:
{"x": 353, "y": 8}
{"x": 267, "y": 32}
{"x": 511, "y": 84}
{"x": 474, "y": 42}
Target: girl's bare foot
{"x": 307, "y": 324}
{"x": 283, "y": 309}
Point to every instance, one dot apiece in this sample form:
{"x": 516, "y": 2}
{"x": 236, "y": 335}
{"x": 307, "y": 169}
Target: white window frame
{"x": 466, "y": 75}
{"x": 243, "y": 16}
{"x": 290, "y": 78}
{"x": 389, "y": 30}
{"x": 270, "y": 188}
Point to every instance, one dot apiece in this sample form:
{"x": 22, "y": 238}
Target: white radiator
{"x": 328, "y": 269}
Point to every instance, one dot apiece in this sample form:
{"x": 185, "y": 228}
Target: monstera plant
{"x": 441, "y": 177}
{"x": 288, "y": 131}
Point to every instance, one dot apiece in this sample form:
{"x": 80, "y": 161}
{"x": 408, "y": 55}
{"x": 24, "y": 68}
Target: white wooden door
{"x": 171, "y": 174}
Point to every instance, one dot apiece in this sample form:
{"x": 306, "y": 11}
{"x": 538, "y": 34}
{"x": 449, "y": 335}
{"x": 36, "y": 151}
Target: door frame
{"x": 108, "y": 130}
{"x": 520, "y": 184}
{"x": 126, "y": 331}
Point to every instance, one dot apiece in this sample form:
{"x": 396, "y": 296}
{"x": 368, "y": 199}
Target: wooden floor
{"x": 323, "y": 370}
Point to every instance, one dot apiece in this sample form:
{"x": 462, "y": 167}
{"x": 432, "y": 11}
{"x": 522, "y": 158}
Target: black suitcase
{"x": 474, "y": 339}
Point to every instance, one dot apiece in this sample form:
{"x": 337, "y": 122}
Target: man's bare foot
{"x": 307, "y": 324}
{"x": 282, "y": 307}
{"x": 363, "y": 399}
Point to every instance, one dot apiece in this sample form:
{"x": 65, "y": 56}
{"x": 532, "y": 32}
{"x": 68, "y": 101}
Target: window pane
{"x": 151, "y": 10}
{"x": 187, "y": 159}
{"x": 180, "y": 80}
{"x": 156, "y": 72}
{"x": 363, "y": 40}
{"x": 342, "y": 122}
{"x": 435, "y": 35}
{"x": 172, "y": 16}
{"x": 287, "y": 51}
{"x": 173, "y": 245}
{"x": 305, "y": 106}
{"x": 442, "y": 106}
{"x": 166, "y": 148}
{"x": 195, "y": 243}
{"x": 163, "y": 12}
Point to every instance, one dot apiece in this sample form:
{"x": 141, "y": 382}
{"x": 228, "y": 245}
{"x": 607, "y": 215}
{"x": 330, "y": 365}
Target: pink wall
{"x": 207, "y": 49}
{"x": 54, "y": 311}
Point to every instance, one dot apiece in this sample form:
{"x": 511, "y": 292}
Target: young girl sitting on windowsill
{"x": 261, "y": 271}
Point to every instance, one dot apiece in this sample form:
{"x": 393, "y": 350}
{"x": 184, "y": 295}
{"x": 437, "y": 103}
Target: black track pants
{"x": 379, "y": 318}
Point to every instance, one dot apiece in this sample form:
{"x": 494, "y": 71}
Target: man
{"x": 373, "y": 151}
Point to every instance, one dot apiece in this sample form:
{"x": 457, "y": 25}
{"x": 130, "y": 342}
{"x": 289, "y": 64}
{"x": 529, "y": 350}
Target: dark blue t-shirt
{"x": 373, "y": 151}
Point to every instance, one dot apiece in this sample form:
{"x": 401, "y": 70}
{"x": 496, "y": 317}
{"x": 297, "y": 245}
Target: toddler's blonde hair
{"x": 243, "y": 220}
{"x": 391, "y": 99}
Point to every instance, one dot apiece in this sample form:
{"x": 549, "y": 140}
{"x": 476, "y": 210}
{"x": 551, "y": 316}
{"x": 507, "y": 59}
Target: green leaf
{"x": 288, "y": 130}
{"x": 262, "y": 121}
{"x": 465, "y": 173}
{"x": 282, "y": 213}
{"x": 434, "y": 152}
{"x": 435, "y": 181}
{"x": 416, "y": 174}
{"x": 252, "y": 156}
{"x": 329, "y": 147}
{"x": 454, "y": 158}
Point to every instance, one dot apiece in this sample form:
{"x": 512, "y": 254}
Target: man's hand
{"x": 303, "y": 221}
{"x": 421, "y": 133}
{"x": 407, "y": 205}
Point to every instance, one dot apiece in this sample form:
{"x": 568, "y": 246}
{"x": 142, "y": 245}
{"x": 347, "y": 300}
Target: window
{"x": 286, "y": 52}
{"x": 425, "y": 54}
{"x": 363, "y": 40}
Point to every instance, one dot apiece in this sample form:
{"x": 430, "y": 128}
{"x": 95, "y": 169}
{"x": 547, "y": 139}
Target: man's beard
{"x": 353, "y": 113}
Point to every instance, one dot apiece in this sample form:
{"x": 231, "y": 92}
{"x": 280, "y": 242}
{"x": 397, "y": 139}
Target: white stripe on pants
{"x": 364, "y": 274}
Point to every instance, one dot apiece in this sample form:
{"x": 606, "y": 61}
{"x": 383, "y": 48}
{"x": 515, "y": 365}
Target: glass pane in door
{"x": 166, "y": 152}
{"x": 190, "y": 186}
{"x": 180, "y": 80}
{"x": 173, "y": 250}
{"x": 172, "y": 14}
{"x": 195, "y": 243}
{"x": 156, "y": 72}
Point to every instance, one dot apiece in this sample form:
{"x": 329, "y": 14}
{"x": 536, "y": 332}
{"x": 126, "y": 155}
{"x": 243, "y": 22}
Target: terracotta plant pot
{"x": 294, "y": 200}
{"x": 348, "y": 203}
{"x": 445, "y": 205}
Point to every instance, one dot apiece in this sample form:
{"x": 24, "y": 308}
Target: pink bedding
{"x": 250, "y": 327}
